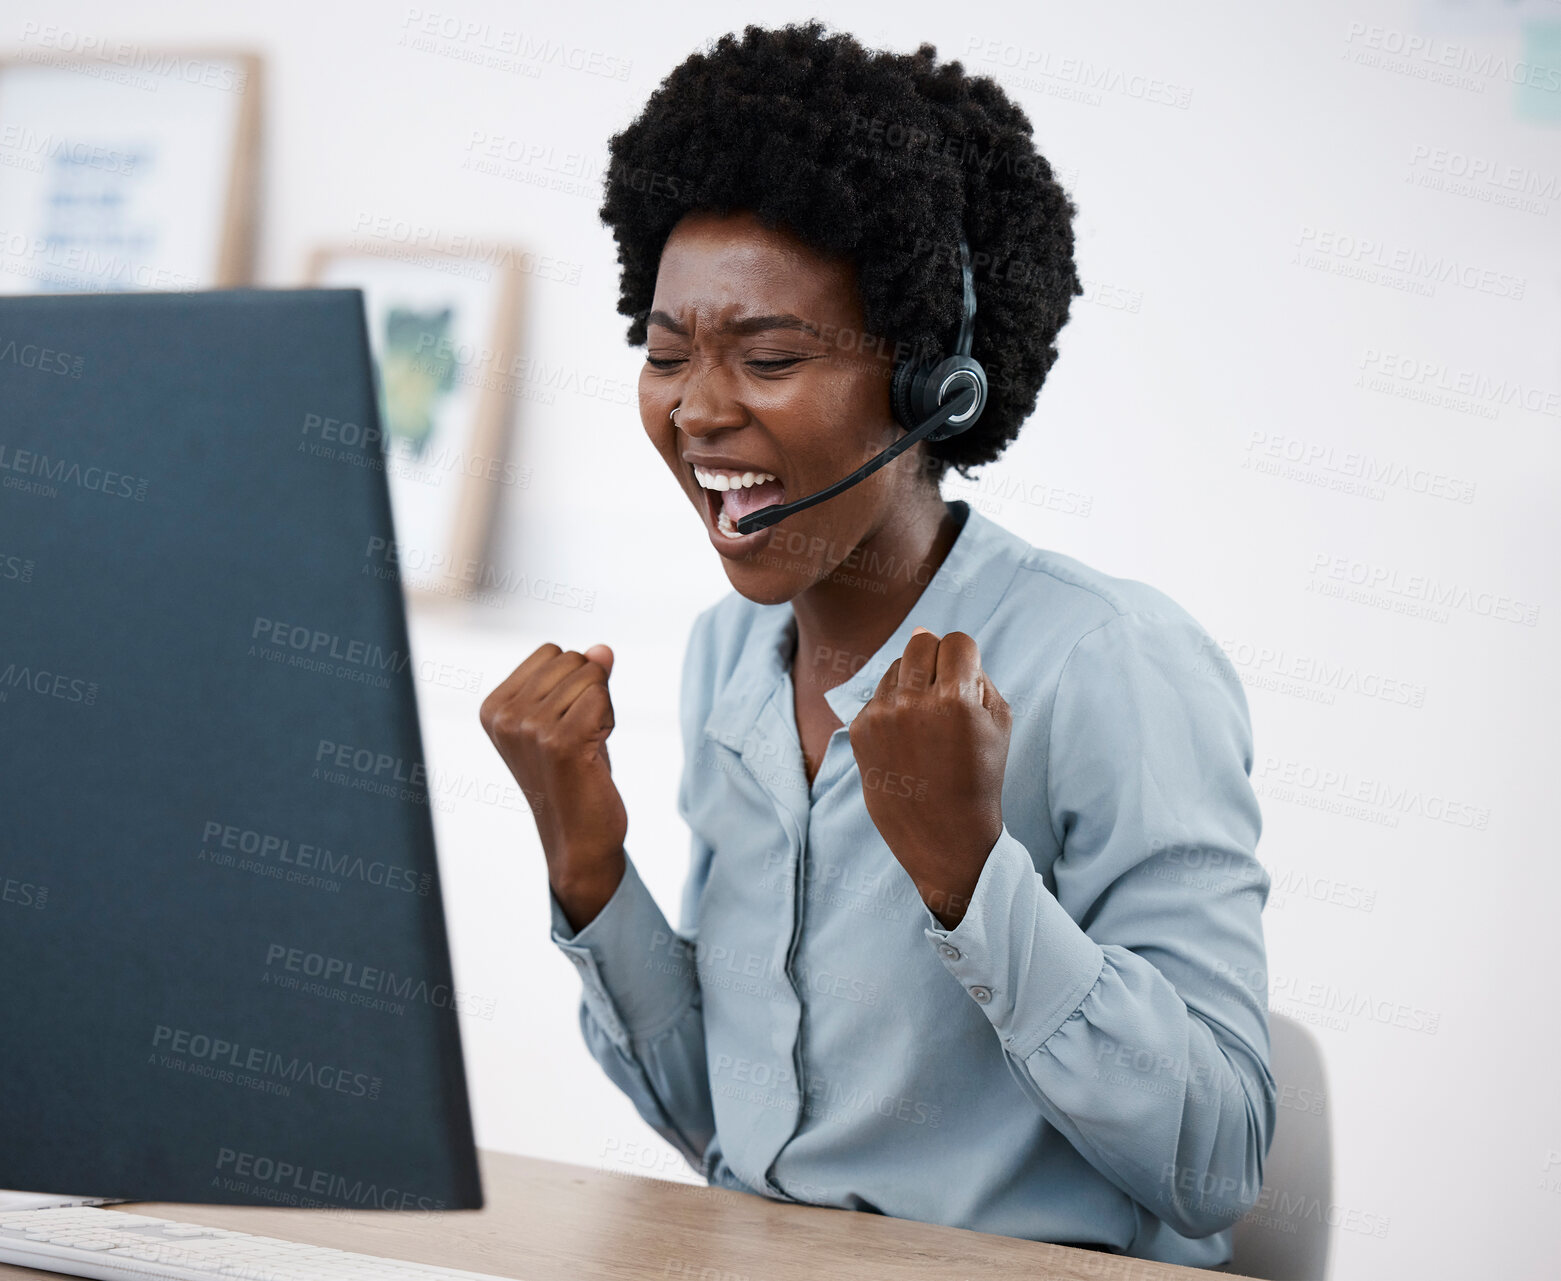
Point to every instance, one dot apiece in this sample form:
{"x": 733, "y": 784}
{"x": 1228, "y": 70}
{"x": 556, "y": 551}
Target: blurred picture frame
{"x": 125, "y": 166}
{"x": 442, "y": 328}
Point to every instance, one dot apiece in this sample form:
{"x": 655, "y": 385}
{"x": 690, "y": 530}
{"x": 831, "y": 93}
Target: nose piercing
{"x": 675, "y": 416}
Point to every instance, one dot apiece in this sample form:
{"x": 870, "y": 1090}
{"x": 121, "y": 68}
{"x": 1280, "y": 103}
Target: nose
{"x": 706, "y": 404}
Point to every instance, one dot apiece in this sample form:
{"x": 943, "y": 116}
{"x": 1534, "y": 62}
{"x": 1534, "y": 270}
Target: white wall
{"x": 1244, "y": 328}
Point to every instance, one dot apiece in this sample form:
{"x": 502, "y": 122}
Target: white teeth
{"x": 723, "y": 522}
{"x": 721, "y": 480}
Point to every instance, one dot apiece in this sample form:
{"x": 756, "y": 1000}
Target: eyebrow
{"x": 750, "y": 325}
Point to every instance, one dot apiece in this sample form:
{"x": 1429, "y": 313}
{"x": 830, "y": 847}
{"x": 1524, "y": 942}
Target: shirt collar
{"x": 961, "y": 596}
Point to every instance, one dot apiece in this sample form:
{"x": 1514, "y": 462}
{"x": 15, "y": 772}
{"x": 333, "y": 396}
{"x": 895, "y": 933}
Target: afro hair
{"x": 885, "y": 158}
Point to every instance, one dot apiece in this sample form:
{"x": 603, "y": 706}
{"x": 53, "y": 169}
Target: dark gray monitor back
{"x": 224, "y": 973}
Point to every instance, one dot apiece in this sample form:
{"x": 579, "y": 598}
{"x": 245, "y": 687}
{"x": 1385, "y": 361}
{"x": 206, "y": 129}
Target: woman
{"x": 971, "y": 933}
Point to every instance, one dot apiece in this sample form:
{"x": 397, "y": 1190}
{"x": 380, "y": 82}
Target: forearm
{"x": 664, "y": 1076}
{"x": 1177, "y": 1113}
{"x": 1173, "y": 1107}
{"x": 640, "y": 1010}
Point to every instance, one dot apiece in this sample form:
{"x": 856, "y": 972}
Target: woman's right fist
{"x": 550, "y": 719}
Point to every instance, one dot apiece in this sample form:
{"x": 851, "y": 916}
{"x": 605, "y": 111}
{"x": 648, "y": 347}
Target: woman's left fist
{"x": 931, "y": 746}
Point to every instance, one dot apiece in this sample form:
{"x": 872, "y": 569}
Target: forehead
{"x": 717, "y": 267}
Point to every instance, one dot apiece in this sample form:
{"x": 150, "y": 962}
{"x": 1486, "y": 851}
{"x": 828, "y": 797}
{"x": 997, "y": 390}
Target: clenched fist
{"x": 549, "y": 720}
{"x": 932, "y": 747}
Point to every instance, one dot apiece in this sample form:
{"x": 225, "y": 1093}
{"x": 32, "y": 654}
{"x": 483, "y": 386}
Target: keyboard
{"x": 112, "y": 1245}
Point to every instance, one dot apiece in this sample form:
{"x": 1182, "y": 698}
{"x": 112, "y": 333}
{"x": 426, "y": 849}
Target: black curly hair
{"x": 886, "y": 158}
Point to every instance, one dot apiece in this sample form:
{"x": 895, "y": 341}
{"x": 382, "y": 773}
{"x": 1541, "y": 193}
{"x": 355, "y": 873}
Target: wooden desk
{"x": 547, "y": 1221}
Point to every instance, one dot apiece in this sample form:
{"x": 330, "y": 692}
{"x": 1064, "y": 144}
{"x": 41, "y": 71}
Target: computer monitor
{"x": 226, "y": 976}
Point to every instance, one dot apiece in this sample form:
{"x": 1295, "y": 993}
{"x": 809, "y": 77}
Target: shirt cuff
{"x": 637, "y": 974}
{"x": 1016, "y": 950}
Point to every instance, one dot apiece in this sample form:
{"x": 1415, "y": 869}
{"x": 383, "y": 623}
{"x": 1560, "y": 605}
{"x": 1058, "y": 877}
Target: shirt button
{"x": 949, "y": 951}
{"x": 982, "y": 994}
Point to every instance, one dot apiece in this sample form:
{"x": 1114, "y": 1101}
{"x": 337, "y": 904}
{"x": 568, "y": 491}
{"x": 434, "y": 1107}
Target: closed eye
{"x": 667, "y": 362}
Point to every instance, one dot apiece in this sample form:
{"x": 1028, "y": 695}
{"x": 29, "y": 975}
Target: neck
{"x": 844, "y": 618}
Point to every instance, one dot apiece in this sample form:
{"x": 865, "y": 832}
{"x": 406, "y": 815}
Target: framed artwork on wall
{"x": 127, "y": 168}
{"x": 440, "y": 327}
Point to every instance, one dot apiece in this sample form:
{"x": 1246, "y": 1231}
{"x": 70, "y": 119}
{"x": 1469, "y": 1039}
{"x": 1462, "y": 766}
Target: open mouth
{"x": 728, "y": 506}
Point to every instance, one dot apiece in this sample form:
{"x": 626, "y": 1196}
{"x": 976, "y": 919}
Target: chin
{"x": 763, "y": 583}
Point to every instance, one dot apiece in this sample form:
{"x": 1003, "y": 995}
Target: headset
{"x": 932, "y": 399}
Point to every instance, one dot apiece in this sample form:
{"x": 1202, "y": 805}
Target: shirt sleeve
{"x": 641, "y": 1013}
{"x": 1132, "y": 999}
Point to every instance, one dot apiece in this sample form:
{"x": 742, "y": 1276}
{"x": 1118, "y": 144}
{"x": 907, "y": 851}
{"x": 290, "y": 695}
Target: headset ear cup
{"x": 957, "y": 375}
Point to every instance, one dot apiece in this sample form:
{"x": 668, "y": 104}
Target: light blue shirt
{"x": 1084, "y": 1058}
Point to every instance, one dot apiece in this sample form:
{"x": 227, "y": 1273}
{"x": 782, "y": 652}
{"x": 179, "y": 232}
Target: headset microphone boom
{"x": 932, "y": 400}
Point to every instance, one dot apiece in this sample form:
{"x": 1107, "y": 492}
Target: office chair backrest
{"x": 1286, "y": 1235}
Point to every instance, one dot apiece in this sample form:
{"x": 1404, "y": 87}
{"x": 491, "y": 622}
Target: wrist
{"x": 949, "y": 908}
{"x": 584, "y": 889}
{"x": 947, "y": 890}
